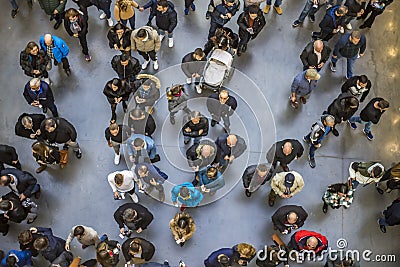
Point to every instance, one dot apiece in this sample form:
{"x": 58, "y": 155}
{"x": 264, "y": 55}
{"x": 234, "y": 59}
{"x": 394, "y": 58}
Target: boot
{"x": 41, "y": 168}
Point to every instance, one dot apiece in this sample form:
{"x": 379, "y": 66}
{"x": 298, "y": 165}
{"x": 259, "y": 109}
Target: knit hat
{"x": 312, "y": 74}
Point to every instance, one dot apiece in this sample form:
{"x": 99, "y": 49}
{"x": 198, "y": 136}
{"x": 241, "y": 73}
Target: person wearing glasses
{"x": 221, "y": 106}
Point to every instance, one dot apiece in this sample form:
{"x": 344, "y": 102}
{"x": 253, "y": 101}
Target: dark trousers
{"x": 188, "y": 3}
{"x": 103, "y": 5}
{"x": 244, "y": 39}
{"x": 148, "y": 55}
{"x": 312, "y": 147}
{"x": 64, "y": 62}
{"x": 4, "y": 226}
{"x": 59, "y": 17}
{"x": 131, "y": 22}
{"x": 114, "y": 107}
{"x": 213, "y": 27}
{"x": 17, "y": 165}
{"x": 52, "y": 108}
{"x": 83, "y": 41}
{"x": 374, "y": 12}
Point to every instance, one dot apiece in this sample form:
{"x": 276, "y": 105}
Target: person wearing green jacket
{"x": 54, "y": 8}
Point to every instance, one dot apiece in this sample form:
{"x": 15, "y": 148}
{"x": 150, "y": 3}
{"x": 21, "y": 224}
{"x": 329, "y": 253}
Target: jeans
{"x": 367, "y": 124}
{"x": 52, "y": 108}
{"x": 188, "y": 138}
{"x": 188, "y": 3}
{"x": 277, "y": 2}
{"x": 105, "y": 6}
{"x": 64, "y": 61}
{"x": 355, "y": 183}
{"x": 164, "y": 32}
{"x": 213, "y": 27}
{"x": 244, "y": 39}
{"x": 148, "y": 55}
{"x": 313, "y": 148}
{"x": 308, "y": 10}
{"x": 14, "y": 4}
{"x": 350, "y": 64}
{"x": 131, "y": 21}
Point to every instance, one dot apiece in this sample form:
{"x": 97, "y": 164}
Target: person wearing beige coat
{"x": 146, "y": 41}
{"x": 182, "y": 227}
{"x": 87, "y": 236}
{"x": 285, "y": 185}
{"x": 124, "y": 10}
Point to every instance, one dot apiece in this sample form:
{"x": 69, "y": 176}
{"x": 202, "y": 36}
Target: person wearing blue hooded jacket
{"x": 332, "y": 23}
{"x": 56, "y": 49}
{"x": 141, "y": 148}
{"x": 222, "y": 13}
{"x": 187, "y": 194}
{"x": 17, "y": 258}
{"x": 211, "y": 180}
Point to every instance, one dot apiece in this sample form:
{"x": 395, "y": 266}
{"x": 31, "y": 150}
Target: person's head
{"x": 142, "y": 34}
{"x": 362, "y": 81}
{"x": 124, "y": 59}
{"x": 195, "y": 117}
{"x": 41, "y": 243}
{"x": 312, "y": 243}
{"x": 129, "y": 215}
{"x": 287, "y": 148}
{"x": 162, "y": 6}
{"x": 119, "y": 179}
{"x": 318, "y": 46}
{"x": 352, "y": 102}
{"x": 383, "y": 105}
{"x": 184, "y": 192}
{"x": 292, "y": 217}
{"x": 289, "y": 180}
{"x": 376, "y": 171}
{"x": 138, "y": 143}
{"x": 119, "y": 28}
{"x": 176, "y": 89}
{"x": 212, "y": 173}
{"x": 5, "y": 180}
{"x": 206, "y": 151}
{"x": 40, "y": 148}
{"x": 147, "y": 84}
{"x": 34, "y": 84}
{"x": 32, "y": 48}
{"x": 103, "y": 256}
{"x": 79, "y": 231}
{"x": 135, "y": 246}
{"x": 11, "y": 261}
{"x": 48, "y": 39}
{"x": 262, "y": 170}
{"x": 25, "y": 237}
{"x": 123, "y": 4}
{"x": 223, "y": 96}
{"x": 223, "y": 260}
{"x": 229, "y": 2}
{"x": 355, "y": 37}
{"x": 253, "y": 11}
{"x": 312, "y": 74}
{"x": 71, "y": 14}
{"x": 137, "y": 114}
{"x": 198, "y": 54}
{"x": 27, "y": 122}
{"x": 182, "y": 223}
{"x": 116, "y": 83}
{"x": 223, "y": 42}
{"x": 341, "y": 11}
{"x": 50, "y": 125}
{"x": 143, "y": 170}
{"x": 231, "y": 140}
{"x": 246, "y": 251}
{"x": 114, "y": 129}
{"x": 340, "y": 189}
{"x": 5, "y": 205}
{"x": 329, "y": 121}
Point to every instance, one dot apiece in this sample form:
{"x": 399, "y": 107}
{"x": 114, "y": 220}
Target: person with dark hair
{"x": 76, "y": 25}
{"x": 195, "y": 128}
{"x": 302, "y": 86}
{"x": 288, "y": 218}
{"x": 332, "y": 23}
{"x": 315, "y": 55}
{"x": 20, "y": 182}
{"x": 339, "y": 259}
{"x": 343, "y": 108}
{"x": 371, "y": 114}
{"x": 285, "y": 185}
{"x": 103, "y": 5}
{"x": 189, "y": 4}
{"x": 142, "y": 148}
{"x": 284, "y": 152}
{"x": 9, "y": 156}
{"x": 152, "y": 4}
{"x": 17, "y": 258}
{"x": 229, "y": 147}
{"x": 350, "y": 46}
{"x": 221, "y": 14}
{"x": 28, "y": 125}
{"x": 193, "y": 65}
{"x": 355, "y": 10}
{"x": 26, "y": 238}
{"x": 122, "y": 183}
{"x": 146, "y": 41}
{"x": 221, "y": 105}
{"x": 177, "y": 100}
{"x": 44, "y": 155}
{"x": 116, "y": 134}
{"x": 210, "y": 180}
{"x": 137, "y": 250}
{"x": 56, "y": 49}
{"x": 147, "y": 91}
{"x": 254, "y": 176}
{"x": 182, "y": 227}
{"x": 134, "y": 216}
{"x": 119, "y": 38}
{"x": 15, "y": 7}
{"x": 126, "y": 67}
{"x": 150, "y": 177}
{"x": 60, "y": 131}
{"x": 243, "y": 253}
{"x": 141, "y": 122}
{"x": 124, "y": 11}
{"x": 365, "y": 173}
{"x": 85, "y": 235}
{"x": 187, "y": 194}
{"x": 117, "y": 91}
{"x": 391, "y": 216}
{"x": 166, "y": 20}
{"x": 15, "y": 211}
{"x": 221, "y": 257}
{"x": 310, "y": 8}
{"x": 357, "y": 86}
{"x": 336, "y": 196}
{"x": 374, "y": 9}
{"x": 48, "y": 245}
{"x": 250, "y": 22}
{"x": 390, "y": 180}
{"x": 305, "y": 240}
{"x": 39, "y": 94}
{"x": 55, "y": 9}
{"x": 34, "y": 61}
{"x": 107, "y": 252}
{"x": 225, "y": 39}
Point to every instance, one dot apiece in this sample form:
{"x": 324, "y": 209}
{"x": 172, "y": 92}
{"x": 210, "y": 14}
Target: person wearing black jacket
{"x": 195, "y": 128}
{"x": 284, "y": 152}
{"x": 117, "y": 91}
{"x": 315, "y": 55}
{"x": 250, "y": 22}
{"x": 12, "y": 210}
{"x": 201, "y": 155}
{"x": 288, "y": 218}
{"x": 20, "y": 182}
{"x": 26, "y": 238}
{"x": 9, "y": 156}
{"x": 116, "y": 134}
{"x": 216, "y": 40}
{"x": 137, "y": 250}
{"x": 391, "y": 216}
{"x": 28, "y": 125}
{"x": 60, "y": 131}
{"x": 34, "y": 61}
{"x": 76, "y": 25}
{"x": 48, "y": 245}
{"x": 355, "y": 10}
{"x": 126, "y": 67}
{"x": 134, "y": 216}
{"x": 222, "y": 13}
{"x": 107, "y": 252}
{"x": 358, "y": 86}
{"x": 166, "y": 20}
{"x": 371, "y": 114}
{"x": 229, "y": 147}
{"x": 390, "y": 180}
{"x": 254, "y": 176}
{"x": 375, "y": 8}
{"x": 343, "y": 107}
{"x": 221, "y": 106}
{"x": 141, "y": 122}
{"x": 119, "y": 38}
{"x": 193, "y": 65}
{"x": 332, "y": 23}
{"x": 103, "y": 5}
{"x": 44, "y": 155}
{"x": 39, "y": 94}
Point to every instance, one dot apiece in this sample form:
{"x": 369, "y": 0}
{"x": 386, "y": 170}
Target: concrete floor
{"x": 80, "y": 194}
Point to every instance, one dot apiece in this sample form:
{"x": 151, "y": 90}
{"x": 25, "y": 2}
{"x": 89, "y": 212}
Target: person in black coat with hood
{"x": 375, "y": 8}
{"x": 126, "y": 67}
{"x": 39, "y": 94}
{"x": 134, "y": 216}
{"x": 119, "y": 38}
{"x": 254, "y": 176}
{"x": 251, "y": 22}
{"x": 76, "y": 25}
{"x": 13, "y": 211}
{"x": 343, "y": 107}
{"x": 9, "y": 156}
{"x": 229, "y": 147}
{"x": 34, "y": 61}
{"x": 137, "y": 250}
{"x": 166, "y": 20}
{"x": 141, "y": 122}
{"x": 117, "y": 91}
{"x": 28, "y": 125}
{"x": 284, "y": 152}
{"x": 332, "y": 23}
{"x": 60, "y": 131}
{"x": 391, "y": 216}
{"x": 20, "y": 182}
{"x": 288, "y": 218}
{"x": 358, "y": 86}
{"x": 309, "y": 56}
{"x": 48, "y": 245}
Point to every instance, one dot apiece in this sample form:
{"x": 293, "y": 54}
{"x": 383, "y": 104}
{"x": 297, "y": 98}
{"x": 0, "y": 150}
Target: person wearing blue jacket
{"x": 220, "y": 257}
{"x": 152, "y": 4}
{"x": 211, "y": 180}
{"x": 48, "y": 245}
{"x": 166, "y": 20}
{"x": 39, "y": 94}
{"x": 302, "y": 86}
{"x": 332, "y": 23}
{"x": 56, "y": 49}
{"x": 187, "y": 194}
{"x": 141, "y": 148}
{"x": 222, "y": 14}
{"x": 17, "y": 258}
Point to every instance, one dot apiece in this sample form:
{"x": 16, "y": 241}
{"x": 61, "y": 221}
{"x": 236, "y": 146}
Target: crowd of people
{"x": 53, "y": 136}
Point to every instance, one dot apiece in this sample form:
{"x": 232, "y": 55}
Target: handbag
{"x": 63, "y": 158}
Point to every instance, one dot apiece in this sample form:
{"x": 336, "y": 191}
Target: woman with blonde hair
{"x": 243, "y": 253}
{"x": 124, "y": 11}
{"x": 44, "y": 155}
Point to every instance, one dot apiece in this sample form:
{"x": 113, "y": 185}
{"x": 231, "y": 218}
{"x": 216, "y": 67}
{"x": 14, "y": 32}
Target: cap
{"x": 289, "y": 180}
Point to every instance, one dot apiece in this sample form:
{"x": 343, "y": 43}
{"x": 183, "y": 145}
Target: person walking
{"x": 302, "y": 86}
{"x": 285, "y": 185}
{"x": 391, "y": 216}
{"x": 277, "y": 7}
{"x": 365, "y": 173}
{"x": 221, "y": 14}
{"x": 373, "y": 9}
{"x": 177, "y": 100}
{"x": 119, "y": 38}
{"x": 332, "y": 23}
{"x": 338, "y": 195}
{"x": 76, "y": 25}
{"x": 39, "y": 94}
{"x": 122, "y": 183}
{"x": 284, "y": 152}
{"x": 221, "y": 105}
{"x": 182, "y": 227}
{"x": 102, "y": 5}
{"x": 117, "y": 91}
{"x": 358, "y": 86}
{"x": 146, "y": 41}
{"x": 15, "y": 7}
{"x": 137, "y": 251}
{"x": 33, "y": 62}
{"x": 55, "y": 9}
{"x": 166, "y": 20}
{"x": 116, "y": 134}
{"x": 254, "y": 176}
{"x": 56, "y": 49}
{"x": 310, "y": 8}
{"x": 124, "y": 11}
{"x": 343, "y": 108}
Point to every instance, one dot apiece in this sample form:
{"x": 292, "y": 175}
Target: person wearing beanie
{"x": 285, "y": 185}
{"x": 187, "y": 194}
{"x": 302, "y": 86}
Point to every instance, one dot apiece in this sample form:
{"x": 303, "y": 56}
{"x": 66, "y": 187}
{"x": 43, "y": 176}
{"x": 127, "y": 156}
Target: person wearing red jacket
{"x": 304, "y": 240}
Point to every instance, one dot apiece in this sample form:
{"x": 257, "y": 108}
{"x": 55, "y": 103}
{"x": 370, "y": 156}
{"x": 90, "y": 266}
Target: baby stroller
{"x": 217, "y": 69}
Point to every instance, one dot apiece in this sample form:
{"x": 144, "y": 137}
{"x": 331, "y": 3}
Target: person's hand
{"x": 229, "y": 15}
{"x": 187, "y": 130}
{"x": 176, "y": 238}
{"x": 360, "y": 13}
{"x": 55, "y": 12}
{"x": 35, "y": 103}
{"x": 296, "y": 227}
{"x": 22, "y": 197}
{"x": 335, "y": 30}
{"x": 226, "y": 157}
{"x": 293, "y": 99}
{"x": 201, "y": 131}
{"x": 153, "y": 182}
{"x": 116, "y": 47}
{"x": 141, "y": 9}
{"x": 33, "y": 230}
{"x": 131, "y": 158}
{"x": 175, "y": 204}
{"x": 311, "y": 67}
{"x": 240, "y": 262}
{"x": 183, "y": 240}
{"x": 360, "y": 55}
{"x": 116, "y": 100}
{"x": 139, "y": 230}
{"x": 116, "y": 195}
{"x": 347, "y": 198}
{"x": 315, "y": 2}
{"x": 38, "y": 132}
{"x": 5, "y": 215}
{"x": 203, "y": 188}
{"x": 75, "y": 35}
{"x": 249, "y": 30}
{"x": 67, "y": 247}
{"x": 195, "y": 168}
{"x": 137, "y": 99}
{"x": 231, "y": 158}
{"x": 110, "y": 144}
{"x": 14, "y": 161}
{"x": 320, "y": 65}
{"x": 317, "y": 145}
{"x": 122, "y": 231}
{"x": 32, "y": 136}
{"x": 36, "y": 72}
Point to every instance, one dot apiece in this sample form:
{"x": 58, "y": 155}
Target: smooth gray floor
{"x": 80, "y": 194}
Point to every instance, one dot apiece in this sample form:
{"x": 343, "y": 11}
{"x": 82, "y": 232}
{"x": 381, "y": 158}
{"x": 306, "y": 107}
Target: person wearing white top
{"x": 123, "y": 182}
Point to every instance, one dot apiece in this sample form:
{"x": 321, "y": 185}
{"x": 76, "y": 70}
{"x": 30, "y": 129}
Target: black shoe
{"x": 14, "y": 12}
{"x": 38, "y": 194}
{"x": 186, "y": 142}
{"x": 311, "y": 161}
{"x": 335, "y": 132}
{"x": 57, "y": 25}
{"x": 248, "y": 193}
{"x": 285, "y": 168}
{"x": 306, "y": 140}
{"x": 31, "y": 221}
{"x": 271, "y": 202}
{"x": 44, "y": 110}
{"x": 383, "y": 228}
{"x": 213, "y": 123}
{"x": 78, "y": 153}
{"x": 325, "y": 208}
{"x": 156, "y": 159}
{"x": 312, "y": 18}
{"x": 65, "y": 147}
{"x": 244, "y": 48}
{"x": 6, "y": 232}
{"x": 239, "y": 52}
{"x": 148, "y": 23}
{"x": 30, "y": 4}
{"x": 380, "y": 191}
{"x": 55, "y": 62}
{"x": 364, "y": 26}
{"x": 68, "y": 72}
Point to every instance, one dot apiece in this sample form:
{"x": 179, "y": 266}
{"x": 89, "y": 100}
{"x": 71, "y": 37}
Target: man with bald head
{"x": 314, "y": 55}
{"x": 288, "y": 218}
{"x": 229, "y": 147}
{"x": 56, "y": 49}
{"x": 221, "y": 106}
{"x": 200, "y": 156}
{"x": 304, "y": 240}
{"x": 285, "y": 152}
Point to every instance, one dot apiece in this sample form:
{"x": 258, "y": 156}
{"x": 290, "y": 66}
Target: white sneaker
{"x": 162, "y": 37}
{"x": 102, "y": 15}
{"x": 341, "y": 30}
{"x": 47, "y": 80}
{"x": 145, "y": 64}
{"x": 117, "y": 157}
{"x": 110, "y": 22}
{"x": 170, "y": 42}
{"x": 155, "y": 65}
{"x": 198, "y": 89}
{"x": 188, "y": 80}
{"x": 348, "y": 26}
{"x": 134, "y": 198}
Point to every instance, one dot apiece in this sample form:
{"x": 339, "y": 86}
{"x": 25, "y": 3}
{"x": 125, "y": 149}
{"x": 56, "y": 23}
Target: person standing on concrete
{"x": 221, "y": 106}
{"x": 9, "y": 156}
{"x": 253, "y": 177}
{"x": 195, "y": 128}
{"x": 20, "y": 182}
{"x": 332, "y": 23}
{"x": 103, "y": 5}
{"x": 28, "y": 125}
{"x": 375, "y": 8}
{"x": 285, "y": 185}
{"x": 177, "y": 100}
{"x": 137, "y": 251}
{"x": 187, "y": 194}
{"x": 358, "y": 86}
{"x": 39, "y": 94}
{"x": 122, "y": 183}
{"x": 166, "y": 20}
{"x": 302, "y": 86}
{"x": 76, "y": 25}
{"x": 310, "y": 8}
{"x": 85, "y": 235}
{"x": 34, "y": 61}
{"x": 288, "y": 218}
{"x": 134, "y": 216}
{"x": 221, "y": 13}
{"x": 285, "y": 152}
{"x": 391, "y": 216}
{"x": 315, "y": 55}
{"x": 229, "y": 147}
{"x": 55, "y": 9}
{"x": 336, "y": 196}
{"x": 117, "y": 91}
{"x": 193, "y": 65}
{"x": 56, "y": 49}
{"x": 365, "y": 173}
{"x": 116, "y": 134}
